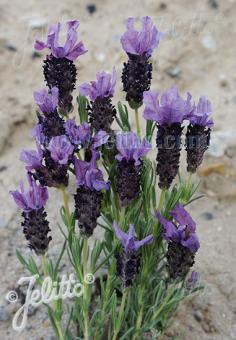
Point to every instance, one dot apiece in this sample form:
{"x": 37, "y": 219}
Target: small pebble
{"x": 198, "y": 315}
{"x": 223, "y": 80}
{"x": 173, "y": 72}
{"x": 4, "y": 315}
{"x": 207, "y": 216}
{"x": 163, "y": 6}
{"x": 10, "y": 47}
{"x": 3, "y": 168}
{"x": 209, "y": 43}
{"x": 91, "y": 8}
{"x": 213, "y": 3}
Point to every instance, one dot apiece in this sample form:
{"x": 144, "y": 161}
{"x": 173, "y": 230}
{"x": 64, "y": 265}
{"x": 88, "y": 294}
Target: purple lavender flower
{"x": 141, "y": 42}
{"x": 198, "y": 134}
{"x": 169, "y": 113}
{"x": 100, "y": 139}
{"x": 102, "y": 88}
{"x": 71, "y": 49}
{"x": 128, "y": 260}
{"x": 171, "y": 108}
{"x": 87, "y": 174}
{"x": 130, "y": 147}
{"x": 88, "y": 198}
{"x": 182, "y": 241}
{"x": 32, "y": 158}
{"x": 128, "y": 239}
{"x": 184, "y": 233}
{"x": 129, "y": 165}
{"x": 101, "y": 110}
{"x": 35, "y": 225}
{"x": 59, "y": 68}
{"x": 37, "y": 133}
{"x": 201, "y": 113}
{"x": 61, "y": 149}
{"x": 78, "y": 135}
{"x": 47, "y": 102}
{"x": 137, "y": 72}
{"x": 34, "y": 198}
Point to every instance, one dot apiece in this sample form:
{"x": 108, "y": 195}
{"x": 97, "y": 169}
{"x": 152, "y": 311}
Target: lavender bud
{"x": 127, "y": 266}
{"x": 128, "y": 180}
{"x": 87, "y": 209}
{"x": 198, "y": 134}
{"x": 168, "y": 156}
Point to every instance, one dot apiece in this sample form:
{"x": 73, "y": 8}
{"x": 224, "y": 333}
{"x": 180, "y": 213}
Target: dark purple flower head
{"x": 61, "y": 149}
{"x": 128, "y": 240}
{"x": 47, "y": 102}
{"x": 71, "y": 49}
{"x": 87, "y": 174}
{"x": 143, "y": 41}
{"x": 103, "y": 87}
{"x": 201, "y": 113}
{"x": 78, "y": 134}
{"x": 32, "y": 199}
{"x": 130, "y": 147}
{"x": 100, "y": 138}
{"x": 184, "y": 233}
{"x": 169, "y": 109}
{"x": 37, "y": 133}
{"x": 32, "y": 158}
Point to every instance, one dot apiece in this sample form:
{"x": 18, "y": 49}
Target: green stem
{"x": 44, "y": 265}
{"x": 121, "y": 315}
{"x": 46, "y": 274}
{"x": 137, "y": 123}
{"x": 189, "y": 182}
{"x": 85, "y": 296}
{"x": 162, "y": 197}
{"x": 168, "y": 296}
{"x": 160, "y": 206}
{"x": 66, "y": 203}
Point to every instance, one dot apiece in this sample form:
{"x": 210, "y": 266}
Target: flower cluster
{"x": 137, "y": 72}
{"x": 128, "y": 260}
{"x": 182, "y": 241}
{"x": 100, "y": 92}
{"x": 169, "y": 112}
{"x": 129, "y": 165}
{"x": 115, "y": 183}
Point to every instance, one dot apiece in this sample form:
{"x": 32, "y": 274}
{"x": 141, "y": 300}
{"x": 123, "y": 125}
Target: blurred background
{"x": 198, "y": 54}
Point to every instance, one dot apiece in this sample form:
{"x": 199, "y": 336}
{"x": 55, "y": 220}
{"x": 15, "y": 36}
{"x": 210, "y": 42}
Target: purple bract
{"x": 130, "y": 147}
{"x": 128, "y": 239}
{"x": 71, "y": 49}
{"x": 32, "y": 199}
{"x": 47, "y": 102}
{"x": 143, "y": 41}
{"x": 103, "y": 87}
{"x": 78, "y": 134}
{"x": 201, "y": 113}
{"x": 169, "y": 109}
{"x": 184, "y": 233}
{"x": 61, "y": 149}
{"x": 32, "y": 158}
{"x": 87, "y": 174}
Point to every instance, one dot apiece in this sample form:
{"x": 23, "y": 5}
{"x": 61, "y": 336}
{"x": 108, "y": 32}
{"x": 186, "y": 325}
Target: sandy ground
{"x": 198, "y": 54}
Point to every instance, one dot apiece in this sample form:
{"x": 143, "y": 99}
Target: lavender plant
{"x": 143, "y": 259}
